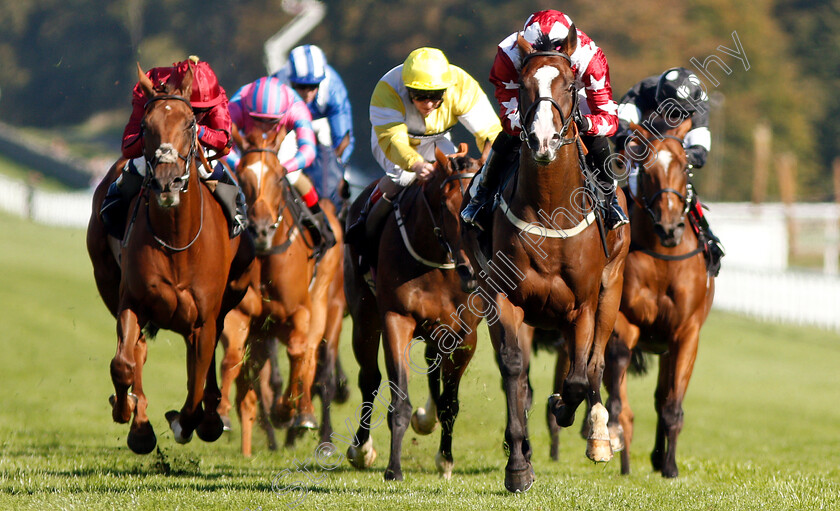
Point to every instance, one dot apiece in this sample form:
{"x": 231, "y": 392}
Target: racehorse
{"x": 551, "y": 267}
{"x": 289, "y": 298}
{"x": 667, "y": 292}
{"x": 176, "y": 269}
{"x": 417, "y": 295}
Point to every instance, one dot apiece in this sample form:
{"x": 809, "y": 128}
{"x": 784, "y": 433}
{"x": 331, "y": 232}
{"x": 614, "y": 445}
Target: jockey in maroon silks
{"x": 596, "y": 121}
{"x": 210, "y": 107}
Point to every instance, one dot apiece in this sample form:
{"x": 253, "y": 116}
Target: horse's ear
{"x": 441, "y": 158}
{"x": 237, "y": 137}
{"x": 186, "y": 82}
{"x": 570, "y": 44}
{"x": 683, "y": 129}
{"x": 524, "y": 46}
{"x": 279, "y": 136}
{"x": 486, "y": 152}
{"x": 463, "y": 149}
{"x": 145, "y": 82}
{"x": 639, "y": 130}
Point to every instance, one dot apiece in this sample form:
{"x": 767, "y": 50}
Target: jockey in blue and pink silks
{"x": 271, "y": 105}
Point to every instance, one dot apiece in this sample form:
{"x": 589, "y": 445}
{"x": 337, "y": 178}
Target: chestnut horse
{"x": 667, "y": 292}
{"x": 552, "y": 267}
{"x": 290, "y": 298}
{"x": 418, "y": 295}
{"x": 175, "y": 269}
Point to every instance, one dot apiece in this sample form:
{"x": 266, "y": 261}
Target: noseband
{"x": 152, "y": 163}
{"x": 559, "y": 140}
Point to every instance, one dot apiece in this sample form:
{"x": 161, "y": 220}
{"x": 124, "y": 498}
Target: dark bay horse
{"x": 418, "y": 296}
{"x": 175, "y": 269}
{"x": 550, "y": 267}
{"x": 290, "y": 298}
{"x": 667, "y": 292}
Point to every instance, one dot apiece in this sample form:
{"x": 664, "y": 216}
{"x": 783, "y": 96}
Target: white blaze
{"x": 543, "y": 126}
{"x": 664, "y": 156}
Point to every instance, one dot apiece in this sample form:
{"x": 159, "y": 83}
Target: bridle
{"x": 152, "y": 163}
{"x": 559, "y": 139}
{"x": 438, "y": 230}
{"x": 646, "y": 203}
{"x": 288, "y": 199}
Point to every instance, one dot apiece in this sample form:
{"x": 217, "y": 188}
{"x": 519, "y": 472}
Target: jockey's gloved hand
{"x": 582, "y": 122}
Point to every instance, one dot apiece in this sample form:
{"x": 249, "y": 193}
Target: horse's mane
{"x": 545, "y": 43}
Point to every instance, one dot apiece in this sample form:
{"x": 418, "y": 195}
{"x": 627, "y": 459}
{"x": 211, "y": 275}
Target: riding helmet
{"x": 307, "y": 65}
{"x": 426, "y": 69}
{"x": 682, "y": 86}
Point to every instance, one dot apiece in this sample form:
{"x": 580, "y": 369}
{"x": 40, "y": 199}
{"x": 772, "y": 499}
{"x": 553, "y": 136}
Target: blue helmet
{"x": 307, "y": 65}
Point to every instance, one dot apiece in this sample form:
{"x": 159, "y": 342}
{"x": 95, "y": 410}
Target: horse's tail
{"x": 638, "y": 362}
{"x": 151, "y": 330}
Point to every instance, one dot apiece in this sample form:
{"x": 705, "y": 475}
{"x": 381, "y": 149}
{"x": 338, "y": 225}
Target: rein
{"x": 150, "y": 178}
{"x": 450, "y": 265}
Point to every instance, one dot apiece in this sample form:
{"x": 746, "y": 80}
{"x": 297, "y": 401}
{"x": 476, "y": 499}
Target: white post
{"x": 308, "y": 14}
{"x": 831, "y": 253}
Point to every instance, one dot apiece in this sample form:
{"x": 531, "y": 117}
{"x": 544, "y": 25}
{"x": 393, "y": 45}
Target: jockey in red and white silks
{"x": 592, "y": 74}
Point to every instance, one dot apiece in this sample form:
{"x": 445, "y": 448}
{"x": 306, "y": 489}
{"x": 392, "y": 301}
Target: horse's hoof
{"x": 393, "y": 475}
{"x": 422, "y": 423}
{"x": 519, "y": 481}
{"x": 281, "y": 416}
{"x": 228, "y": 426}
{"x": 670, "y": 472}
{"x": 599, "y": 451}
{"x": 142, "y": 440}
{"x": 362, "y": 457}
{"x": 616, "y": 438}
{"x": 561, "y": 412}
{"x": 444, "y": 466}
{"x": 304, "y": 421}
{"x": 210, "y": 429}
{"x": 172, "y": 417}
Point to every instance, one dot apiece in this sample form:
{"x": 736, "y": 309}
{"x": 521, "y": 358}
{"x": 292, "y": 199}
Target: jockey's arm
{"x": 473, "y": 109}
{"x": 300, "y": 120}
{"x": 214, "y": 129}
{"x": 602, "y": 118}
{"x": 340, "y": 119}
{"x": 388, "y": 117}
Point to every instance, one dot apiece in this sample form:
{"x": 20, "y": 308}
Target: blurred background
{"x": 773, "y": 178}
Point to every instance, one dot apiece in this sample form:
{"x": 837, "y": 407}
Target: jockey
{"x": 209, "y": 104}
{"x": 675, "y": 95}
{"x": 413, "y": 107}
{"x": 267, "y": 104}
{"x": 323, "y": 91}
{"x": 596, "y": 119}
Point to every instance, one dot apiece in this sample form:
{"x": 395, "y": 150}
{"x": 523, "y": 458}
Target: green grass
{"x": 761, "y": 425}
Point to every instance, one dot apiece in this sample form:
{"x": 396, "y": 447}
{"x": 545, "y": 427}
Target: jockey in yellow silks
{"x": 413, "y": 107}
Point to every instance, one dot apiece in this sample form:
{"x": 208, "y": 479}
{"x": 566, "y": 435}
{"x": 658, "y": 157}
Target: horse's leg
{"x": 123, "y": 365}
{"x": 519, "y": 474}
{"x": 141, "y": 436}
{"x": 618, "y": 357}
{"x": 328, "y": 361}
{"x": 453, "y": 369}
{"x": 246, "y": 402}
{"x": 598, "y": 444}
{"x": 682, "y": 353}
{"x": 201, "y": 346}
{"x": 396, "y": 334}
{"x": 575, "y": 386}
{"x": 266, "y": 397}
{"x": 233, "y": 339}
{"x": 211, "y": 426}
{"x": 560, "y": 370}
{"x": 360, "y": 451}
{"x": 295, "y": 408}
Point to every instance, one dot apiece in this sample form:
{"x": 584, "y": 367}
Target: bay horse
{"x": 551, "y": 267}
{"x": 176, "y": 268}
{"x": 418, "y": 295}
{"x": 290, "y": 298}
{"x": 667, "y": 292}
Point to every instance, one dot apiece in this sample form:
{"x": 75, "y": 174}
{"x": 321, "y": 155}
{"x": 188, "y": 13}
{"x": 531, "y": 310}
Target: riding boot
{"x": 599, "y": 151}
{"x": 712, "y": 247}
{"x": 319, "y": 227}
{"x": 502, "y": 155}
{"x": 114, "y": 209}
{"x": 231, "y": 198}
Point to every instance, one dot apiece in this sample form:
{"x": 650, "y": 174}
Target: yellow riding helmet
{"x": 426, "y": 69}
